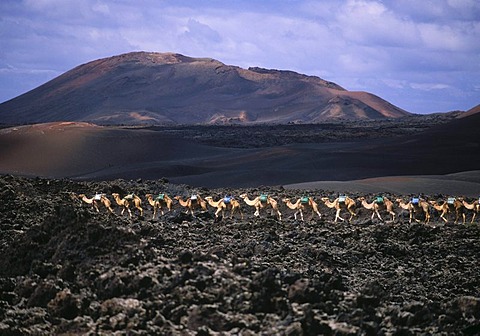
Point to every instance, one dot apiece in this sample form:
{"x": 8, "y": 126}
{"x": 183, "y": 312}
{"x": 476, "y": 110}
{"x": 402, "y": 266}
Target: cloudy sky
{"x": 423, "y": 56}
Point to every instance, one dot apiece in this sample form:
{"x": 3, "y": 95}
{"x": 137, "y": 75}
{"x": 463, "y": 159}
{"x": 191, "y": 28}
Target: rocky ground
{"x": 66, "y": 269}
{"x": 255, "y": 136}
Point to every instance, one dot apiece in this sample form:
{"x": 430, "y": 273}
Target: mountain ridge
{"x": 170, "y": 88}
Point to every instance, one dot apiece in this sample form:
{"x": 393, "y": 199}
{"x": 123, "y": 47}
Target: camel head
{"x": 208, "y": 198}
{"x": 242, "y": 196}
{"x": 286, "y": 200}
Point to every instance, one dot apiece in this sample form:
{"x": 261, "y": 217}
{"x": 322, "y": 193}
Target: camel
{"x": 261, "y": 202}
{"x": 414, "y": 207}
{"x": 225, "y": 204}
{"x": 127, "y": 201}
{"x": 298, "y": 206}
{"x": 342, "y": 202}
{"x": 95, "y": 200}
{"x": 161, "y": 199}
{"x": 380, "y": 203}
{"x": 475, "y": 206}
{"x": 194, "y": 202}
{"x": 446, "y": 206}
{"x": 301, "y": 204}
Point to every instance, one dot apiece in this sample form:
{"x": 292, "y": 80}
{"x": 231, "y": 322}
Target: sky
{"x": 422, "y": 56}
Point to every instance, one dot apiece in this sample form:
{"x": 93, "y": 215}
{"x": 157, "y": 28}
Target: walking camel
{"x": 127, "y": 202}
{"x": 225, "y": 204}
{"x": 452, "y": 204}
{"x": 414, "y": 207}
{"x": 95, "y": 200}
{"x": 261, "y": 202}
{"x": 159, "y": 202}
{"x": 342, "y": 202}
{"x": 379, "y": 204}
{"x": 194, "y": 202}
{"x": 475, "y": 206}
{"x": 301, "y": 204}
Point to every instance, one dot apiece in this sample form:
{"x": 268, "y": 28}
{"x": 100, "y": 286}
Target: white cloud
{"x": 368, "y": 44}
{"x": 429, "y": 86}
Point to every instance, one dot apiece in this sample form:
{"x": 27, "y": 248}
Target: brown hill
{"x": 472, "y": 111}
{"x": 167, "y": 88}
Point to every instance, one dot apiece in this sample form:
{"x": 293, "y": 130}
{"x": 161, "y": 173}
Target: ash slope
{"x": 166, "y": 88}
{"x": 85, "y": 151}
{"x": 66, "y": 269}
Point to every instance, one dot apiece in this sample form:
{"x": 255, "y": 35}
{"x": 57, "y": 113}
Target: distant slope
{"x": 472, "y": 111}
{"x": 86, "y": 151}
{"x": 167, "y": 88}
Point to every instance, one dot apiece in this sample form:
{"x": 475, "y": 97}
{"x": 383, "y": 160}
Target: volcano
{"x": 141, "y": 88}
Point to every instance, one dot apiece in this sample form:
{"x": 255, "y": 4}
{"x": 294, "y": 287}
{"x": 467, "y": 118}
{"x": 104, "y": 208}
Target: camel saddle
{"x": 194, "y": 198}
{"x": 304, "y": 200}
{"x": 415, "y": 200}
{"x": 451, "y": 200}
{"x": 379, "y": 199}
{"x": 227, "y": 199}
{"x": 263, "y": 198}
{"x": 342, "y": 198}
{"x": 161, "y": 197}
{"x": 129, "y": 196}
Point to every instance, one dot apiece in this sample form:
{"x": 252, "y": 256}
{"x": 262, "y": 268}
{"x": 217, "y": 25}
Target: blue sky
{"x": 423, "y": 56}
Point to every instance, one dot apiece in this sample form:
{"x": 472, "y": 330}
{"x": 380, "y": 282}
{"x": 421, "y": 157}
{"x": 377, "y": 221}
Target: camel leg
{"x": 280, "y": 215}
{"x": 217, "y": 212}
{"x": 337, "y": 216}
{"x": 301, "y": 214}
{"x": 257, "y": 212}
{"x": 393, "y": 215}
{"x": 410, "y": 217}
{"x": 427, "y": 217}
{"x": 352, "y": 214}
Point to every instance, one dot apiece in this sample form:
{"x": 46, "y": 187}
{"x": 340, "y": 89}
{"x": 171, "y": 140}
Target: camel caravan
{"x": 382, "y": 208}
